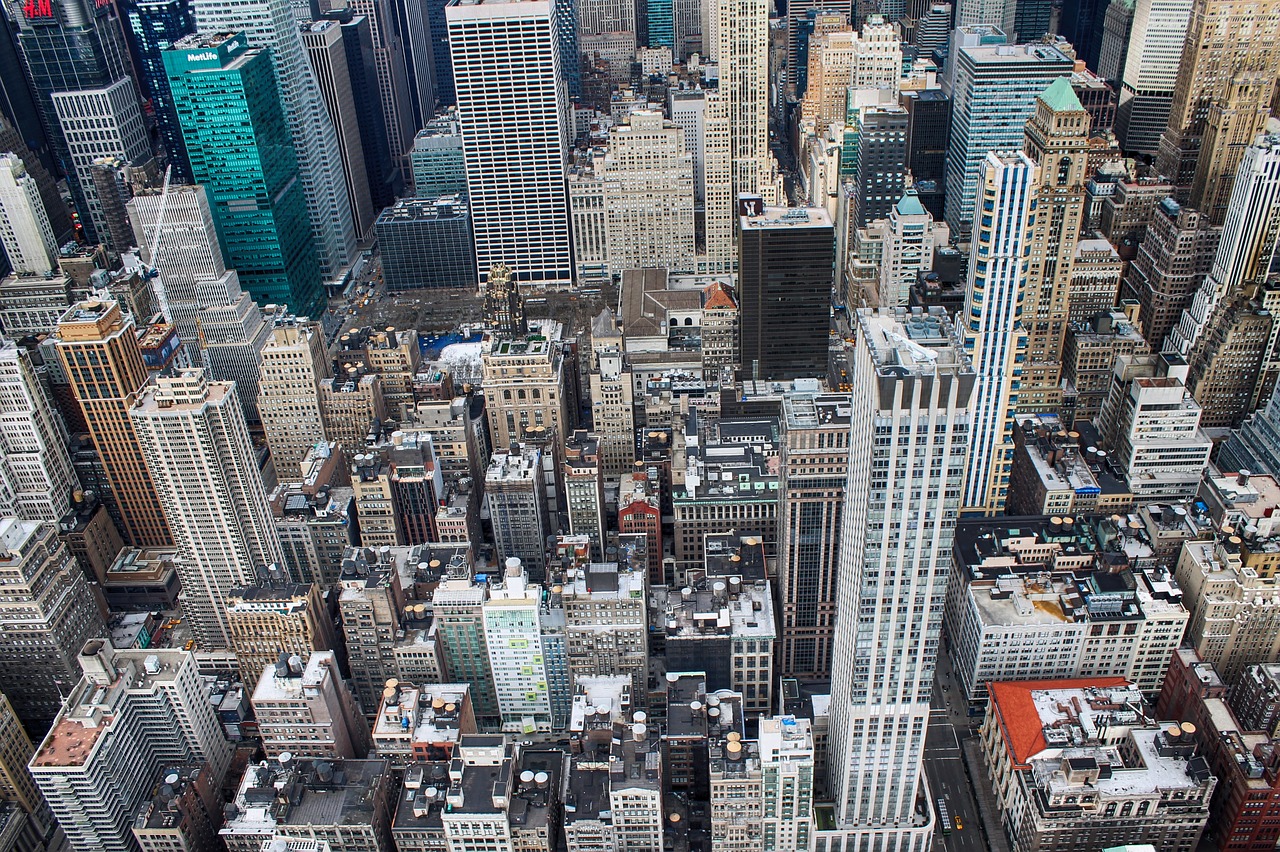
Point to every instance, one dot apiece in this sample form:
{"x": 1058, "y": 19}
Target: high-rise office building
{"x": 881, "y": 174}
{"x": 231, "y": 341}
{"x": 16, "y": 784}
{"x": 326, "y": 48}
{"x": 514, "y": 492}
{"x": 515, "y": 115}
{"x": 393, "y": 77}
{"x": 36, "y": 478}
{"x": 1248, "y": 249}
{"x": 605, "y": 16}
{"x": 305, "y": 709}
{"x": 993, "y": 94}
{"x": 458, "y": 606}
{"x": 97, "y": 123}
{"x": 513, "y": 635}
{"x": 815, "y": 442}
{"x": 442, "y": 70}
{"x": 994, "y": 336}
{"x": 871, "y": 58}
{"x": 1222, "y": 98}
{"x": 743, "y": 54}
{"x": 384, "y": 177}
{"x": 25, "y": 232}
{"x": 219, "y": 85}
{"x": 426, "y": 242}
{"x": 1057, "y": 139}
{"x": 413, "y": 24}
{"x": 11, "y": 141}
{"x": 47, "y": 613}
{"x": 439, "y": 167}
{"x": 274, "y": 622}
{"x": 294, "y": 363}
{"x": 1117, "y": 25}
{"x": 1150, "y": 72}
{"x": 271, "y": 24}
{"x": 786, "y": 262}
{"x": 928, "y": 132}
{"x": 648, "y": 194}
{"x": 191, "y": 272}
{"x": 1173, "y": 259}
{"x": 98, "y": 347}
{"x": 150, "y": 26}
{"x": 898, "y": 550}
{"x": 78, "y": 45}
{"x": 132, "y": 713}
{"x": 909, "y": 237}
{"x": 193, "y": 436}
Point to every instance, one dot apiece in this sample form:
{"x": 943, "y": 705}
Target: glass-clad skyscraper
{"x": 150, "y": 27}
{"x": 240, "y": 149}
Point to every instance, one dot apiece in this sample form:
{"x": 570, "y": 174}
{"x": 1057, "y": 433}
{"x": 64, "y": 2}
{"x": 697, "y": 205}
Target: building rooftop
{"x": 421, "y": 799}
{"x": 918, "y": 343}
{"x": 313, "y": 793}
{"x": 1060, "y": 96}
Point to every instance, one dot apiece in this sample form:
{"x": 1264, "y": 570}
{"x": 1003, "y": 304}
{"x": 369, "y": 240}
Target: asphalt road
{"x": 944, "y": 765}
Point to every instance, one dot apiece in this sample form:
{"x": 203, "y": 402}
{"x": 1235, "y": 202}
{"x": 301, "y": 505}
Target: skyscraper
{"x": 909, "y": 442}
{"x": 743, "y": 54}
{"x": 98, "y": 346}
{"x": 1226, "y": 79}
{"x": 294, "y": 362}
{"x": 786, "y": 262}
{"x": 193, "y": 436}
{"x": 648, "y": 195}
{"x": 393, "y": 77}
{"x": 220, "y": 85}
{"x": 48, "y": 612}
{"x": 270, "y": 24}
{"x": 326, "y": 49}
{"x": 514, "y": 109}
{"x": 76, "y": 45}
{"x": 994, "y": 337}
{"x": 1057, "y": 139}
{"x": 993, "y": 94}
{"x": 150, "y": 27}
{"x": 882, "y": 159}
{"x": 1150, "y": 71}
{"x": 96, "y": 767}
{"x": 36, "y": 478}
{"x": 97, "y": 123}
{"x": 412, "y": 21}
{"x": 25, "y": 231}
{"x": 1248, "y": 249}
{"x": 192, "y": 274}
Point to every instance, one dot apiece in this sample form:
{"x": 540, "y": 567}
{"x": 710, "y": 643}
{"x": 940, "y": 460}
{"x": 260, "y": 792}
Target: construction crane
{"x": 152, "y": 273}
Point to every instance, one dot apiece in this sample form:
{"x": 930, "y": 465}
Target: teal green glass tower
{"x": 241, "y": 151}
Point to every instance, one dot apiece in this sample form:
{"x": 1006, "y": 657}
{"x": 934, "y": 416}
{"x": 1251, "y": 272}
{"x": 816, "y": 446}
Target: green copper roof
{"x": 1060, "y": 97}
{"x": 909, "y": 204}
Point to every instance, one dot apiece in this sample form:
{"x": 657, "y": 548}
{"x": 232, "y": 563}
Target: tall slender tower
{"x": 36, "y": 478}
{"x": 98, "y": 347}
{"x": 994, "y": 336}
{"x": 1150, "y": 72}
{"x": 744, "y": 83}
{"x": 193, "y": 435}
{"x": 294, "y": 363}
{"x": 1057, "y": 139}
{"x": 514, "y": 110}
{"x": 909, "y": 441}
{"x": 1248, "y": 248}
{"x": 25, "y": 231}
{"x": 270, "y": 24}
{"x": 1222, "y": 98}
{"x": 150, "y": 27}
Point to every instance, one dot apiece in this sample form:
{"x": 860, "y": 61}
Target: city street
{"x": 944, "y": 766}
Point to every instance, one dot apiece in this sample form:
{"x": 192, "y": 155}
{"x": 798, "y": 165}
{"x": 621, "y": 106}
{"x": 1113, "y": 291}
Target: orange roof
{"x": 717, "y": 296}
{"x": 1018, "y": 718}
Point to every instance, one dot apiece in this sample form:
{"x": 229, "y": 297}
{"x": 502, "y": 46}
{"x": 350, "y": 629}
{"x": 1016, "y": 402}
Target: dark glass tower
{"x": 150, "y": 27}
{"x": 385, "y": 180}
{"x": 786, "y": 266}
{"x": 67, "y": 46}
{"x": 440, "y": 52}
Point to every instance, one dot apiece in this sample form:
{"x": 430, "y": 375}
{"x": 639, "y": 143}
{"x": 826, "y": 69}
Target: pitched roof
{"x": 1061, "y": 97}
{"x": 717, "y": 296}
{"x": 909, "y": 204}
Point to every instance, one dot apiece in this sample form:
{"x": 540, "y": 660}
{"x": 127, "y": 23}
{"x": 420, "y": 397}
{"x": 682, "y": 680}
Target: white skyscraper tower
{"x": 1150, "y": 72}
{"x": 36, "y": 478}
{"x": 909, "y": 443}
{"x": 270, "y": 23}
{"x": 24, "y": 224}
{"x": 192, "y": 272}
{"x": 196, "y": 445}
{"x": 513, "y": 635}
{"x": 514, "y": 110}
{"x": 991, "y": 324}
{"x": 743, "y": 52}
{"x": 1248, "y": 248}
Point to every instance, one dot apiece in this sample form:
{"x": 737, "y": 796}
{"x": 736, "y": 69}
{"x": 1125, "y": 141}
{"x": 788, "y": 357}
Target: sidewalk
{"x": 987, "y": 807}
